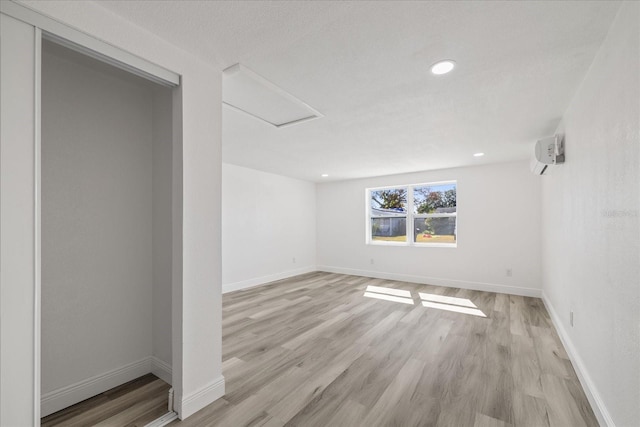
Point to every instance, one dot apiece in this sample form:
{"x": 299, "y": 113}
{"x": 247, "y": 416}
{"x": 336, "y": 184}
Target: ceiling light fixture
{"x": 443, "y": 67}
{"x": 324, "y": 175}
{"x": 478, "y": 155}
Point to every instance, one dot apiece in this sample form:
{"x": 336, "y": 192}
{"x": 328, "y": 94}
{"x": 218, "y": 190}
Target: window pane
{"x": 389, "y": 202}
{"x": 389, "y": 229}
{"x": 434, "y": 199}
{"x": 435, "y": 230}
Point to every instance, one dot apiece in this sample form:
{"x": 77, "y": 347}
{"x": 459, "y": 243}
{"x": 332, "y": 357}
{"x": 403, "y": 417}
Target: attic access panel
{"x": 252, "y": 94}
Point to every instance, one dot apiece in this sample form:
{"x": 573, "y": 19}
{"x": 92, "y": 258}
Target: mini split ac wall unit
{"x": 548, "y": 152}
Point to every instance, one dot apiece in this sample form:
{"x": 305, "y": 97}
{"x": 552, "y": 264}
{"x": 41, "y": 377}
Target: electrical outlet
{"x": 509, "y": 272}
{"x": 294, "y": 260}
{"x": 571, "y": 318}
{"x": 371, "y": 260}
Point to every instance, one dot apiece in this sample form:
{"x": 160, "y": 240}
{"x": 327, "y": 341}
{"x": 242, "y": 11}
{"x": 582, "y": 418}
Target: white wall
{"x": 96, "y": 228}
{"x": 591, "y": 233}
{"x": 106, "y": 226}
{"x": 267, "y": 221}
{"x": 162, "y": 224}
{"x": 196, "y": 338}
{"x": 19, "y": 394}
{"x": 498, "y": 228}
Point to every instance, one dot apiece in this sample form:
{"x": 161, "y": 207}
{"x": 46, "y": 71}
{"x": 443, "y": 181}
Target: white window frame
{"x": 409, "y": 217}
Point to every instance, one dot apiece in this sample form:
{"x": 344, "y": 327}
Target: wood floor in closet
{"x": 328, "y": 349}
{"x": 133, "y": 404}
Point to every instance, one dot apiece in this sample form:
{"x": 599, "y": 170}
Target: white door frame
{"x": 51, "y": 29}
{"x": 91, "y": 46}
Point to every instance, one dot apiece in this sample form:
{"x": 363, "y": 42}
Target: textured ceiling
{"x": 365, "y": 66}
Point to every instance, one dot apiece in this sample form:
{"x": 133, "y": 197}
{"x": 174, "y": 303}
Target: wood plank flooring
{"x": 313, "y": 350}
{"x": 133, "y": 404}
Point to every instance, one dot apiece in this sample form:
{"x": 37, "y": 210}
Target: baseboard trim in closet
{"x": 64, "y": 397}
{"x": 161, "y": 369}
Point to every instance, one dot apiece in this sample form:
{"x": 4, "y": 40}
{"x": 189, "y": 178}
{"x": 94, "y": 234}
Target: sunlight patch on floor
{"x": 440, "y": 302}
{"x": 464, "y": 302}
{"x": 454, "y": 308}
{"x": 389, "y": 291}
{"x": 388, "y": 298}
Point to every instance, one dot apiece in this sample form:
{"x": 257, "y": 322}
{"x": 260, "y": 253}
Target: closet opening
{"x": 108, "y": 191}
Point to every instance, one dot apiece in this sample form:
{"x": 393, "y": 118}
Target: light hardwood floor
{"x": 133, "y": 404}
{"x": 313, "y": 350}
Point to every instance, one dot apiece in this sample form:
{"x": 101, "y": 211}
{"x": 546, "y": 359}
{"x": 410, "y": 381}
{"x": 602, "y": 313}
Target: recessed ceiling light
{"x": 443, "y": 67}
{"x": 324, "y": 175}
{"x": 478, "y": 155}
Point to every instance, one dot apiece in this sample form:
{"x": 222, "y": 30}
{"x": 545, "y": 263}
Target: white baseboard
{"x": 64, "y": 397}
{"x": 161, "y": 369}
{"x": 598, "y": 406}
{"x": 189, "y": 405}
{"x": 451, "y": 283}
{"x": 257, "y": 281}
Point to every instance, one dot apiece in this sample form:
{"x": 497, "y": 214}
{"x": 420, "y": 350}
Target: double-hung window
{"x": 388, "y": 213}
{"x": 415, "y": 215}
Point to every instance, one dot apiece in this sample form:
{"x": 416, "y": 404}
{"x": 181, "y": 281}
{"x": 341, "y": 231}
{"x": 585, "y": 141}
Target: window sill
{"x": 414, "y": 245}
